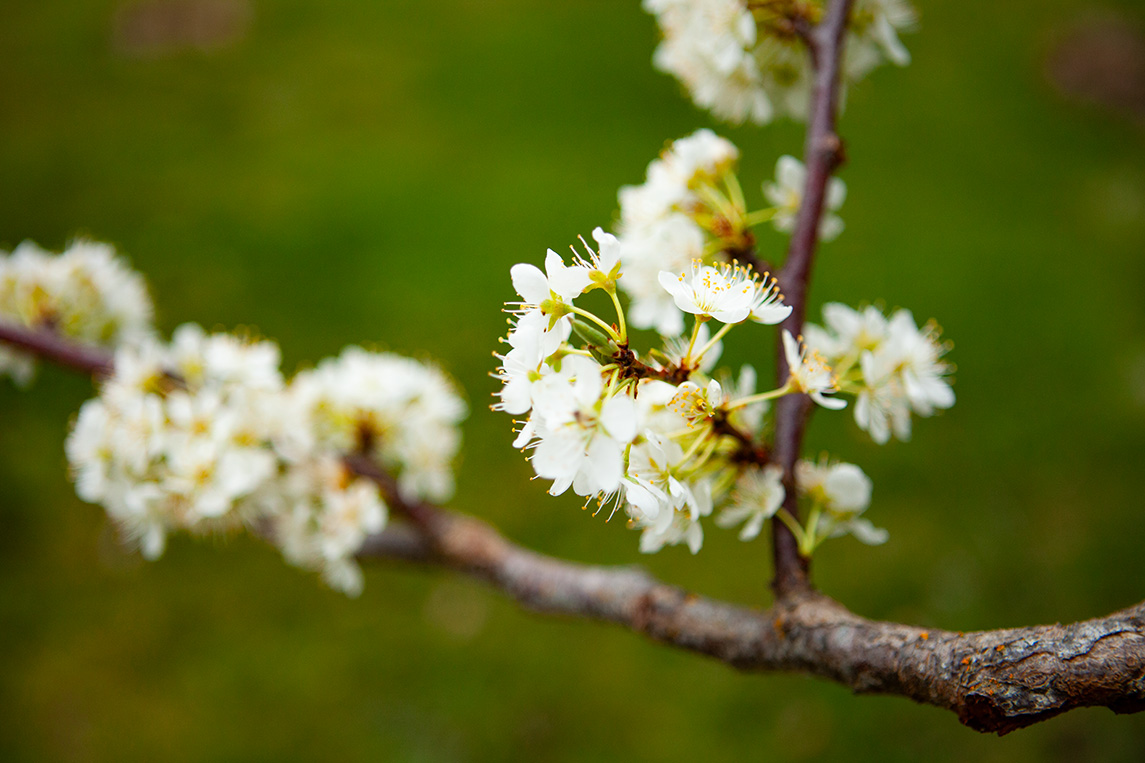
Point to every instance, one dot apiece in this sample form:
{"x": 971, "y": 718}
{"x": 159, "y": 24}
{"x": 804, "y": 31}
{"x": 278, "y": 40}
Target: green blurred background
{"x": 366, "y": 172}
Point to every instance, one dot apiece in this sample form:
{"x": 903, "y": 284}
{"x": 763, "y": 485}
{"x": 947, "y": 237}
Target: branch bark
{"x": 49, "y": 345}
{"x": 996, "y": 681}
{"x": 822, "y": 154}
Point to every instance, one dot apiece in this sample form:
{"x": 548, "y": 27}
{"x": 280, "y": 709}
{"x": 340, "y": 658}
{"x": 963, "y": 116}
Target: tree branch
{"x": 822, "y": 154}
{"x": 49, "y": 345}
{"x": 996, "y": 681}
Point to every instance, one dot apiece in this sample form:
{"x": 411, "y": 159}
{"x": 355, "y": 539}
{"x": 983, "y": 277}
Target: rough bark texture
{"x": 995, "y": 681}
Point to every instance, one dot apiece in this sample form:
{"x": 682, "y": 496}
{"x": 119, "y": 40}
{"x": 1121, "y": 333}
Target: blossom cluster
{"x": 178, "y": 437}
{"x": 204, "y": 435}
{"x": 893, "y": 367}
{"x": 661, "y": 435}
{"x": 87, "y": 293}
{"x": 691, "y": 208}
{"x": 746, "y": 62}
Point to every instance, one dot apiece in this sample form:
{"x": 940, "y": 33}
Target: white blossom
{"x": 757, "y": 497}
{"x": 843, "y": 492}
{"x": 786, "y": 193}
{"x": 875, "y": 25}
{"x": 319, "y": 516}
{"x": 676, "y": 527}
{"x": 579, "y": 431}
{"x": 670, "y": 245}
{"x": 707, "y": 45}
{"x": 87, "y": 293}
{"x": 744, "y": 71}
{"x": 728, "y": 293}
{"x": 179, "y": 437}
{"x": 901, "y": 370}
{"x": 658, "y": 229}
{"x": 810, "y": 373}
{"x": 403, "y": 412}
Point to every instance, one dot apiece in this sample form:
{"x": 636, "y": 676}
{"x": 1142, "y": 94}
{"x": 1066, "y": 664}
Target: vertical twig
{"x": 823, "y": 152}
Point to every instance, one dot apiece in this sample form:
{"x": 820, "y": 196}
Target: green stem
{"x": 716, "y": 200}
{"x": 752, "y": 219}
{"x": 735, "y": 191}
{"x": 808, "y": 543}
{"x": 700, "y": 320}
{"x": 619, "y": 316}
{"x": 703, "y": 458}
{"x": 712, "y": 342}
{"x": 784, "y": 516}
{"x": 586, "y": 314}
{"x": 784, "y": 390}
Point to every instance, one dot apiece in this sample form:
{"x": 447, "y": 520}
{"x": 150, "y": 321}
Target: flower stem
{"x": 735, "y": 192}
{"x": 619, "y": 316}
{"x": 586, "y": 314}
{"x": 784, "y": 516}
{"x": 700, "y": 320}
{"x": 808, "y": 542}
{"x": 712, "y": 342}
{"x": 752, "y": 219}
{"x": 784, "y": 390}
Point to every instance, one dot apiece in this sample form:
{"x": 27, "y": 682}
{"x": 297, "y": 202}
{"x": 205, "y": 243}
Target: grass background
{"x": 366, "y": 172}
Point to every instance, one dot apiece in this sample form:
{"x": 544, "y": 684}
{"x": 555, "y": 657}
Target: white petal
{"x": 530, "y": 283}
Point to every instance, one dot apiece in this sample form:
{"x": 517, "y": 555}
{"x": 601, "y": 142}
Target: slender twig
{"x": 822, "y": 154}
{"x": 49, "y": 345}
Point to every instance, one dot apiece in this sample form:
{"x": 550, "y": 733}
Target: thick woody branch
{"x": 995, "y": 681}
{"x": 822, "y": 154}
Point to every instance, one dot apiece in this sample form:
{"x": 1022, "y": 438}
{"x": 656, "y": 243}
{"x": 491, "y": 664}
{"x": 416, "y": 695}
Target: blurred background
{"x": 341, "y": 172}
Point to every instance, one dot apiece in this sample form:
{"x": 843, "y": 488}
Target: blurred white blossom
{"x": 786, "y": 193}
{"x": 88, "y": 294}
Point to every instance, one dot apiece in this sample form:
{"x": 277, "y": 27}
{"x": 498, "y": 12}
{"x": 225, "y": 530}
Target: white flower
{"x": 659, "y": 491}
{"x": 522, "y": 369}
{"x": 757, "y": 497}
{"x": 919, "y": 357}
{"x": 673, "y": 528}
{"x": 841, "y": 488}
{"x": 786, "y": 193}
{"x": 707, "y": 46}
{"x": 579, "y": 432}
{"x": 693, "y": 402}
{"x": 729, "y": 293}
{"x": 180, "y": 436}
{"x": 785, "y": 75}
{"x": 882, "y": 404}
{"x": 401, "y": 411}
{"x": 86, "y": 293}
{"x": 810, "y": 373}
{"x": 319, "y": 517}
{"x": 853, "y": 331}
{"x": 672, "y": 243}
{"x": 603, "y": 264}
{"x": 901, "y": 366}
{"x": 877, "y": 23}
{"x": 702, "y": 157}
{"x": 843, "y": 493}
{"x": 546, "y": 296}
